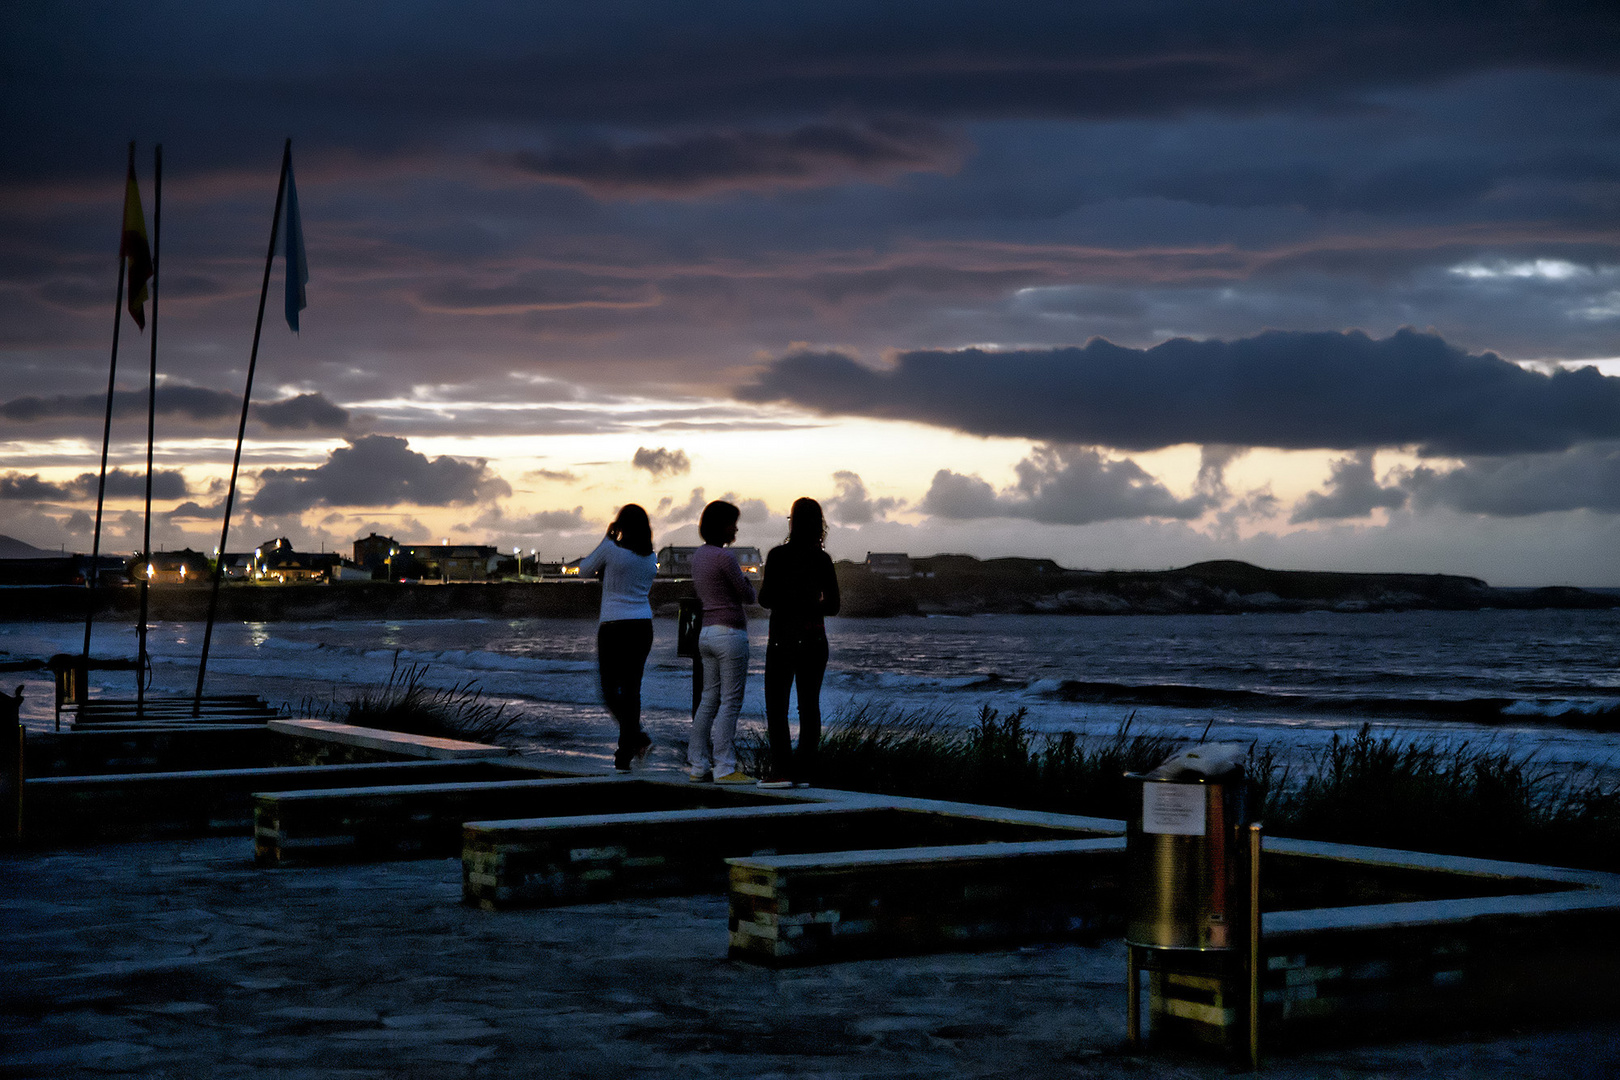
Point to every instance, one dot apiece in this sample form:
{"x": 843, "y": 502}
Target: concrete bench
{"x": 425, "y": 820}
{"x": 166, "y": 748}
{"x": 84, "y": 809}
{"x": 807, "y": 909}
{"x": 390, "y": 742}
{"x": 571, "y": 860}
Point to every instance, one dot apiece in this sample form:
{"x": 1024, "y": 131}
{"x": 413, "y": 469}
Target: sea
{"x": 1541, "y": 683}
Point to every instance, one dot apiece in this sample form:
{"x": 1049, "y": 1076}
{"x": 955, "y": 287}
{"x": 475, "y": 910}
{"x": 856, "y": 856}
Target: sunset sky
{"x": 1128, "y": 285}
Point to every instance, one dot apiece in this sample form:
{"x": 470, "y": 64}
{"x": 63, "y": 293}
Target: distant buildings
{"x": 387, "y": 559}
{"x": 184, "y": 567}
{"x": 889, "y": 564}
{"x": 676, "y": 562}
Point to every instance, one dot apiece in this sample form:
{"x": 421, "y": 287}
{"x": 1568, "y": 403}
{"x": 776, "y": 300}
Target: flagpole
{"x": 241, "y": 429}
{"x": 151, "y": 426}
{"x": 106, "y": 433}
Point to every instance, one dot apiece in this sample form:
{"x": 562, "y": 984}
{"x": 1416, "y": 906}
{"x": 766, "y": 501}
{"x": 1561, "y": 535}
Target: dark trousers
{"x": 622, "y": 646}
{"x": 794, "y": 658}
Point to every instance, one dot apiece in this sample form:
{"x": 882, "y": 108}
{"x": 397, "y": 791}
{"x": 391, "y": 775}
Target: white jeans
{"x": 724, "y": 650}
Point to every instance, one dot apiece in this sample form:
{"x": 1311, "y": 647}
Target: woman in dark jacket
{"x": 800, "y": 589}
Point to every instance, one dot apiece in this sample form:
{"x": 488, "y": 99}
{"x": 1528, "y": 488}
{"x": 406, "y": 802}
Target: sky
{"x": 1127, "y": 285}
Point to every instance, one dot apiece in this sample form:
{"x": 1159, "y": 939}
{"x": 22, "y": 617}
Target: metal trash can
{"x": 1185, "y": 880}
{"x": 1192, "y": 886}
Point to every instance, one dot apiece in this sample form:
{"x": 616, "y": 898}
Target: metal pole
{"x": 241, "y": 432}
{"x": 151, "y": 426}
{"x": 1254, "y": 945}
{"x": 106, "y": 432}
{"x": 1133, "y": 999}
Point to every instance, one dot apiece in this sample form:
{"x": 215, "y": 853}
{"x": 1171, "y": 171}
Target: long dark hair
{"x": 806, "y": 523}
{"x": 631, "y": 530}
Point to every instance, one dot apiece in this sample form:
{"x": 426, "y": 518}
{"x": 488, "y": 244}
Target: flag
{"x": 297, "y": 265}
{"x": 134, "y": 247}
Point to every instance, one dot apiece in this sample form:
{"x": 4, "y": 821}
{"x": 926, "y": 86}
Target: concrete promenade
{"x": 180, "y": 959}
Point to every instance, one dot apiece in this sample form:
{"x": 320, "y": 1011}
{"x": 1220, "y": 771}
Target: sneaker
{"x": 704, "y": 777}
{"x": 735, "y": 777}
{"x": 801, "y": 783}
{"x": 776, "y": 782}
{"x": 644, "y": 746}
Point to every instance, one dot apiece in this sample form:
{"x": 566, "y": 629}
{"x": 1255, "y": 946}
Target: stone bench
{"x": 571, "y": 860}
{"x": 167, "y": 748}
{"x": 807, "y": 909}
{"x": 363, "y": 742}
{"x": 85, "y": 809}
{"x": 425, "y": 820}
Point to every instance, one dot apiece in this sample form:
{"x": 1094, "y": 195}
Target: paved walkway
{"x": 183, "y": 960}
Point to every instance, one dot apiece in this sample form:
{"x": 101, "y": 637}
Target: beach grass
{"x": 407, "y": 704}
{"x": 1416, "y": 793}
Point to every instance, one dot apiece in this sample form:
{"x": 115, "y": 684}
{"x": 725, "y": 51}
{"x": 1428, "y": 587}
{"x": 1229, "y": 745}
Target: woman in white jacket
{"x": 624, "y": 634}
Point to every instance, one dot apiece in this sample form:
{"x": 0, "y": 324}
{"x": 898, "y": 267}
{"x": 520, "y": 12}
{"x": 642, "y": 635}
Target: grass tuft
{"x": 406, "y": 704}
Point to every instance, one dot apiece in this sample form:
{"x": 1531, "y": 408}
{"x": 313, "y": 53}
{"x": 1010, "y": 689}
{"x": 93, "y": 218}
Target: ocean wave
{"x": 1595, "y": 713}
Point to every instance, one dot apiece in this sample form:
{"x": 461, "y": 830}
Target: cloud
{"x": 539, "y": 290}
{"x": 302, "y": 412}
{"x": 376, "y": 470}
{"x": 1283, "y": 389}
{"x": 121, "y": 484}
{"x": 662, "y": 462}
{"x": 192, "y": 402}
{"x": 14, "y": 486}
{"x": 551, "y": 521}
{"x": 852, "y": 505}
{"x": 192, "y": 510}
{"x": 559, "y": 476}
{"x": 706, "y": 163}
{"x": 1352, "y": 492}
{"x": 1063, "y": 485}
{"x": 670, "y": 514}
{"x": 1584, "y": 478}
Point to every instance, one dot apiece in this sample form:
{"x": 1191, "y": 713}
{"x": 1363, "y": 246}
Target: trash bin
{"x": 1192, "y": 894}
{"x": 1184, "y": 879}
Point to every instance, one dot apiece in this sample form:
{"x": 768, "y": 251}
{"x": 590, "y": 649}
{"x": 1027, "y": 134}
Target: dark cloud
{"x": 1063, "y": 485}
{"x": 17, "y": 487}
{"x": 376, "y": 470}
{"x": 121, "y": 484}
{"x": 1277, "y": 389}
{"x": 852, "y": 505}
{"x": 708, "y": 162}
{"x": 304, "y": 412}
{"x": 647, "y": 64}
{"x": 662, "y": 462}
{"x": 1352, "y": 492}
{"x": 541, "y": 290}
{"x": 1584, "y": 478}
{"x": 193, "y": 511}
{"x": 192, "y": 402}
